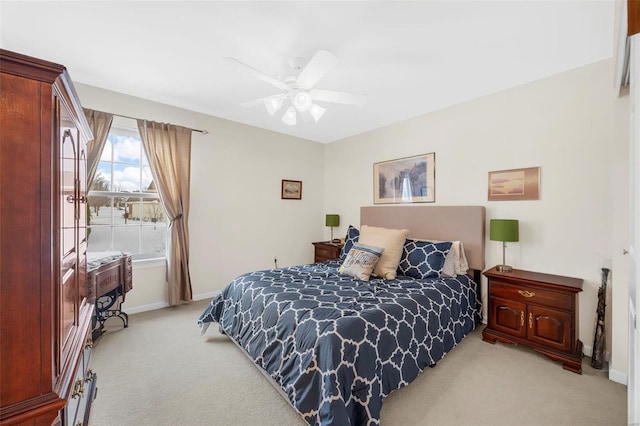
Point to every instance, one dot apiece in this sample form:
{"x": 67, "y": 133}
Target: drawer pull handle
{"x": 526, "y": 293}
{"x": 530, "y": 320}
{"x": 89, "y": 376}
{"x": 522, "y": 318}
{"x": 78, "y": 389}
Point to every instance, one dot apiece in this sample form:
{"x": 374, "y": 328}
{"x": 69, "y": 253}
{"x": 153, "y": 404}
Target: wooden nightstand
{"x": 326, "y": 250}
{"x": 537, "y": 310}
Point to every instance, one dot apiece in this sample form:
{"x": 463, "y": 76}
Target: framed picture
{"x": 291, "y": 189}
{"x": 514, "y": 184}
{"x": 405, "y": 180}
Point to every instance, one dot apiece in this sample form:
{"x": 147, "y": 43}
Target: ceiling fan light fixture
{"x": 302, "y": 101}
{"x": 273, "y": 104}
{"x": 316, "y": 111}
{"x": 298, "y": 93}
{"x": 289, "y": 117}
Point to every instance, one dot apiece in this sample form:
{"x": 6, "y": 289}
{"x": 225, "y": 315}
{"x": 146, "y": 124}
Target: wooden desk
{"x": 107, "y": 286}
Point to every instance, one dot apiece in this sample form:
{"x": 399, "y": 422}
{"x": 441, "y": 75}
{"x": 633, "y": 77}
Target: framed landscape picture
{"x": 405, "y": 180}
{"x": 514, "y": 184}
{"x": 291, "y": 189}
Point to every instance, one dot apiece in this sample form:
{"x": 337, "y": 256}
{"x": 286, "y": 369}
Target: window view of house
{"x": 125, "y": 211}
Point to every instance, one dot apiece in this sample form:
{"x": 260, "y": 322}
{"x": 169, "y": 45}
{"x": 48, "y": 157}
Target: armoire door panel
{"x": 82, "y": 270}
{"x": 82, "y": 196}
{"x": 68, "y": 309}
{"x": 20, "y": 274}
{"x": 68, "y": 205}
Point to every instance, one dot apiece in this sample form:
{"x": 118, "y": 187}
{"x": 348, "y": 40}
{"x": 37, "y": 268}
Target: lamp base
{"x": 504, "y": 268}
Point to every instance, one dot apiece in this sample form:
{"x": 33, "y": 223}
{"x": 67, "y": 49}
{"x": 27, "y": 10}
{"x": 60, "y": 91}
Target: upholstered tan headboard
{"x": 447, "y": 223}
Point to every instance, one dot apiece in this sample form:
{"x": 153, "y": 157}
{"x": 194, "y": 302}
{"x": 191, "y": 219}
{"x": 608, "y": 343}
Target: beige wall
{"x": 238, "y": 222}
{"x": 568, "y": 124}
{"x": 564, "y": 124}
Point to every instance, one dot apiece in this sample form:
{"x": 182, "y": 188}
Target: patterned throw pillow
{"x": 360, "y": 261}
{"x": 423, "y": 259}
{"x": 352, "y": 237}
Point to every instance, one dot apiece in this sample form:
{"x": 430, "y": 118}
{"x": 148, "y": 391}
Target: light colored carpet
{"x": 161, "y": 371}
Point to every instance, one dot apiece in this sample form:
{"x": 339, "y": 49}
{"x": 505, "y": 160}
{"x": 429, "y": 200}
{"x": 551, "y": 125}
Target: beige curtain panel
{"x": 100, "y": 124}
{"x": 168, "y": 149}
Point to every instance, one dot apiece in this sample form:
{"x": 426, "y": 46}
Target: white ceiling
{"x": 409, "y": 58}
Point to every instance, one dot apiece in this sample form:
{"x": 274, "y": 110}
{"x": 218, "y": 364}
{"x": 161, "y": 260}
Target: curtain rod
{"x": 204, "y": 132}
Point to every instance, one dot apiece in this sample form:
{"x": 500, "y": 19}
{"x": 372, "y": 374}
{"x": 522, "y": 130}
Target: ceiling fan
{"x": 298, "y": 88}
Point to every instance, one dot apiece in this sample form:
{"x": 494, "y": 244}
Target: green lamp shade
{"x": 332, "y": 220}
{"x": 503, "y": 230}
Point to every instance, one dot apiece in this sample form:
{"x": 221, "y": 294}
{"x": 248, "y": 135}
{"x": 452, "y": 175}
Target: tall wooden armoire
{"x": 45, "y": 320}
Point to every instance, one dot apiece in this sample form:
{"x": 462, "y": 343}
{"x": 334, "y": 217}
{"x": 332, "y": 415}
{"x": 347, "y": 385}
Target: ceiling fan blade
{"x": 317, "y": 67}
{"x": 252, "y": 103}
{"x": 338, "y": 97}
{"x": 272, "y": 103}
{"x": 259, "y": 74}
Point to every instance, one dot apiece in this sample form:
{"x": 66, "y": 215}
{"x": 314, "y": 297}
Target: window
{"x": 125, "y": 211}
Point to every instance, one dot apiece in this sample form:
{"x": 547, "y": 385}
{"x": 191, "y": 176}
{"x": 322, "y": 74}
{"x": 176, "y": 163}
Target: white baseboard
{"x": 588, "y": 351}
{"x": 207, "y": 295}
{"x": 162, "y": 305}
{"x": 618, "y": 377}
{"x": 614, "y": 375}
{"x": 145, "y": 308}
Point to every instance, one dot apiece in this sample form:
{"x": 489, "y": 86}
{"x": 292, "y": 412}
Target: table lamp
{"x": 332, "y": 220}
{"x": 503, "y": 230}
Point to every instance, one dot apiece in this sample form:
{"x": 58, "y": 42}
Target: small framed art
{"x": 291, "y": 189}
{"x": 405, "y": 180}
{"x": 514, "y": 184}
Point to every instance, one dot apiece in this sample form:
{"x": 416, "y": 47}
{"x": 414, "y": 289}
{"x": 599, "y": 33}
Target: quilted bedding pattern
{"x": 337, "y": 345}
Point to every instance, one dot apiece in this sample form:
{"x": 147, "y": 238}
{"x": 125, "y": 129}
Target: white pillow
{"x": 392, "y": 240}
{"x": 462, "y": 265}
{"x": 456, "y": 261}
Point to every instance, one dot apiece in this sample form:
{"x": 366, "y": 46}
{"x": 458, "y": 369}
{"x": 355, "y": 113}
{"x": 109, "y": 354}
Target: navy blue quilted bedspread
{"x": 337, "y": 345}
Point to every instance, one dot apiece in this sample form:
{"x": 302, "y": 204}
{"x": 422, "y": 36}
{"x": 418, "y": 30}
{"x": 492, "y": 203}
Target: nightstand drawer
{"x": 325, "y": 250}
{"x": 532, "y": 295}
{"x": 327, "y": 254}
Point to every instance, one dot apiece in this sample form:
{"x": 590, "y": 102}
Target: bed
{"x": 334, "y": 345}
